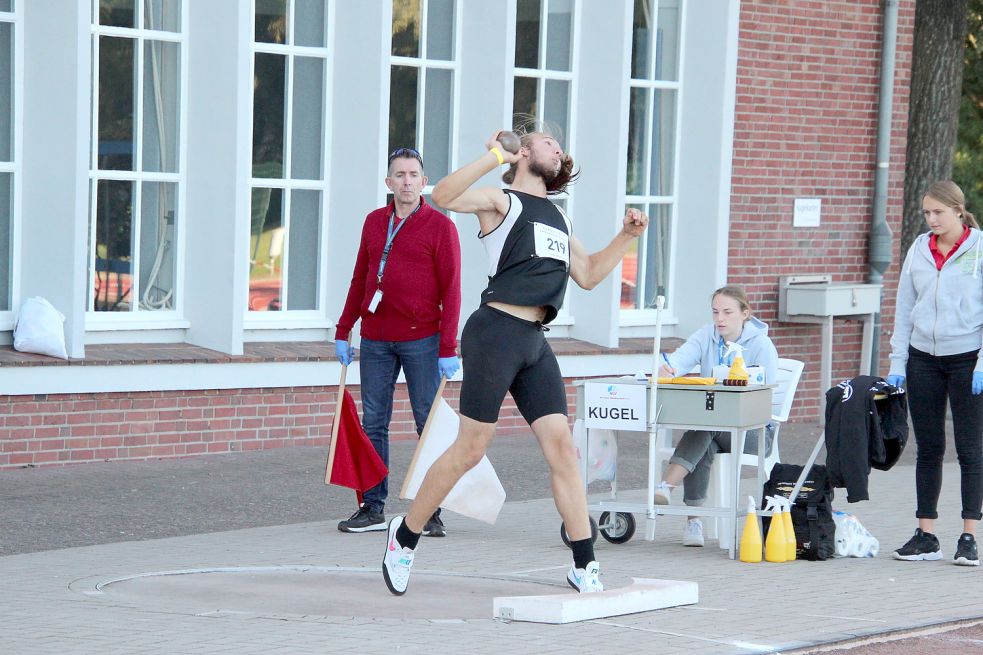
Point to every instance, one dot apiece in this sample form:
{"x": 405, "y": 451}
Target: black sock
{"x": 406, "y": 537}
{"x": 583, "y": 552}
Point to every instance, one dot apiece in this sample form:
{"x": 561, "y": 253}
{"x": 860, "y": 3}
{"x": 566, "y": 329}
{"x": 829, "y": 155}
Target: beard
{"x": 545, "y": 172}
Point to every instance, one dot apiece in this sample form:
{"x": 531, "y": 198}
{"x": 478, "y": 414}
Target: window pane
{"x": 559, "y": 31}
{"x": 523, "y": 100}
{"x": 657, "y": 241}
{"x": 6, "y": 91}
{"x": 269, "y": 96}
{"x": 271, "y": 21}
{"x": 637, "y": 121}
{"x": 406, "y": 28}
{"x": 116, "y": 103}
{"x": 6, "y": 5}
{"x": 114, "y": 248}
{"x": 266, "y": 250}
{"x": 161, "y": 105}
{"x": 119, "y": 13}
{"x": 303, "y": 255}
{"x": 641, "y": 41}
{"x": 6, "y": 221}
{"x": 163, "y": 15}
{"x": 556, "y": 104}
{"x": 667, "y": 45}
{"x": 309, "y": 23}
{"x": 308, "y": 118}
{"x": 440, "y": 29}
{"x": 402, "y": 107}
{"x": 663, "y": 139}
{"x": 157, "y": 246}
{"x": 630, "y": 272}
{"x": 438, "y": 115}
{"x": 527, "y": 34}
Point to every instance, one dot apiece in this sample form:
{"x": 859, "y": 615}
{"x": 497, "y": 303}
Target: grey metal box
{"x": 714, "y": 405}
{"x": 832, "y": 299}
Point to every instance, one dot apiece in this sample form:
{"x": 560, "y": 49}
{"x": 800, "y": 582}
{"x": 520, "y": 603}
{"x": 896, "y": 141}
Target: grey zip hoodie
{"x": 939, "y": 312}
{"x": 704, "y": 348}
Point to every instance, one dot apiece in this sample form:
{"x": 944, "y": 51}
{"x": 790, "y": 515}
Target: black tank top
{"x": 529, "y": 255}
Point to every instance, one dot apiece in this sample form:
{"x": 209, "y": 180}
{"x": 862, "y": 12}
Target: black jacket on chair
{"x": 863, "y": 432}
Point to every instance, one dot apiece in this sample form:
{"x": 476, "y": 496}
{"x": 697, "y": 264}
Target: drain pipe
{"x": 880, "y": 244}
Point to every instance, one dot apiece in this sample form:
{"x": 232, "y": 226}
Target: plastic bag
{"x": 40, "y": 328}
{"x": 602, "y": 455}
{"x": 852, "y": 538}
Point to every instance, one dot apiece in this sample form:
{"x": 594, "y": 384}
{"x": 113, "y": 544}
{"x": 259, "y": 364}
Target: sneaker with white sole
{"x": 662, "y": 491}
{"x": 693, "y": 533}
{"x": 397, "y": 561}
{"x": 585, "y": 580}
{"x": 922, "y": 546}
{"x": 365, "y": 519}
{"x": 966, "y": 551}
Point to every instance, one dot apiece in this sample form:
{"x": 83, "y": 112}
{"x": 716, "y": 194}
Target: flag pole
{"x": 335, "y": 426}
{"x": 423, "y": 437}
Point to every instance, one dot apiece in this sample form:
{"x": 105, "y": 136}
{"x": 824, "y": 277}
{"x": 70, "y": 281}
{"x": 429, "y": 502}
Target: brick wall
{"x": 806, "y": 127}
{"x": 42, "y": 430}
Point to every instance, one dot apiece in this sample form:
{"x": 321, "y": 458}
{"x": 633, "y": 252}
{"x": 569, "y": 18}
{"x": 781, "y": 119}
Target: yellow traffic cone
{"x": 775, "y": 542}
{"x": 751, "y": 538}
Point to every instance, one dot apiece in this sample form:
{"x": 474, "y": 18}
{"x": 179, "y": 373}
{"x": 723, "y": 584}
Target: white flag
{"x": 479, "y": 494}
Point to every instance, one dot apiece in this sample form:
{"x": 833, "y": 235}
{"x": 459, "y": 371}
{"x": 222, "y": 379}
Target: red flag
{"x": 352, "y": 460}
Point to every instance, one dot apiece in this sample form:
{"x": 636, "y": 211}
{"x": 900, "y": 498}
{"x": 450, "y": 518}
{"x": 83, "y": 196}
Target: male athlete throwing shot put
{"x": 531, "y": 253}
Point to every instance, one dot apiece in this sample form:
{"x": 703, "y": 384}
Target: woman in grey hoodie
{"x": 938, "y": 330}
{"x": 707, "y": 347}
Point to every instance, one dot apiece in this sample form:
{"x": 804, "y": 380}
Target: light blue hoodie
{"x": 939, "y": 312}
{"x": 706, "y": 348}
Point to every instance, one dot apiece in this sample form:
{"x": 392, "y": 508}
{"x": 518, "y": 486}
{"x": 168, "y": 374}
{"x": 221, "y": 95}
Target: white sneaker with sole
{"x": 662, "y": 491}
{"x": 397, "y": 562}
{"x": 693, "y": 533}
{"x": 585, "y": 580}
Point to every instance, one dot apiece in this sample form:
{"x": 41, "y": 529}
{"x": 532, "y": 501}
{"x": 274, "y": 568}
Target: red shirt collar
{"x": 939, "y": 258}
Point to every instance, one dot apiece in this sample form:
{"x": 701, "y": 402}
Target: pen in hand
{"x": 668, "y": 366}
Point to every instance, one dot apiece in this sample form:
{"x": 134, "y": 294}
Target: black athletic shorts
{"x": 503, "y": 353}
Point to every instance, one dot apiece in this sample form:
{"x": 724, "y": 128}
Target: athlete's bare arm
{"x": 589, "y": 270}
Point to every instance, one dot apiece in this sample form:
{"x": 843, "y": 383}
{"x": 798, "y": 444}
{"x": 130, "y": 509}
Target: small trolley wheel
{"x": 593, "y": 532}
{"x": 617, "y": 528}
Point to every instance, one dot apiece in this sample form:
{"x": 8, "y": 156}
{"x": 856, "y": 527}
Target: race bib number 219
{"x": 551, "y": 242}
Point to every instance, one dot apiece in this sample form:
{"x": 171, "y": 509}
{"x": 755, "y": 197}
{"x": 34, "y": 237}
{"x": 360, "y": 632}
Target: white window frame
{"x": 423, "y": 64}
{"x": 294, "y": 318}
{"x": 637, "y": 317}
{"x": 541, "y": 75}
{"x": 14, "y": 166}
{"x": 138, "y": 319}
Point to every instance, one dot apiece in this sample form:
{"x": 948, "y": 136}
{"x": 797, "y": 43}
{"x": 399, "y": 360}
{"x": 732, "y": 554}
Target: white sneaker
{"x": 585, "y": 580}
{"x": 693, "y": 533}
{"x": 662, "y": 491}
{"x": 397, "y": 561}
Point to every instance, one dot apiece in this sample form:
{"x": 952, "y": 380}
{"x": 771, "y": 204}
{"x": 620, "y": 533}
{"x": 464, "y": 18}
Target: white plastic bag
{"x": 602, "y": 455}
{"x": 852, "y": 538}
{"x": 40, "y": 328}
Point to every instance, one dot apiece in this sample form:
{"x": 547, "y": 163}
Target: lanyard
{"x": 390, "y": 237}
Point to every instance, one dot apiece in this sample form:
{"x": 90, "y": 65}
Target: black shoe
{"x": 923, "y": 546}
{"x": 434, "y": 526}
{"x": 365, "y": 519}
{"x": 966, "y": 553}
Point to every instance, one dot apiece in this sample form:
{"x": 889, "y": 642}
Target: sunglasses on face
{"x": 405, "y": 152}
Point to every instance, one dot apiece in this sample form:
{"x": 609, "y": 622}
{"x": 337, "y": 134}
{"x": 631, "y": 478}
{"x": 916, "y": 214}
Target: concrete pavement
{"x": 304, "y": 587}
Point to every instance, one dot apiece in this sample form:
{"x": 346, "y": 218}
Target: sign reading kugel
{"x": 615, "y": 406}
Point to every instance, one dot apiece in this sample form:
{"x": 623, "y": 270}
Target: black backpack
{"x": 812, "y": 511}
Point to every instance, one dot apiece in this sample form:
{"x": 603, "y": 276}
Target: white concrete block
{"x": 643, "y": 595}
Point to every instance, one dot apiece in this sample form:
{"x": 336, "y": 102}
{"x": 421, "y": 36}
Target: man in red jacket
{"x": 406, "y": 288}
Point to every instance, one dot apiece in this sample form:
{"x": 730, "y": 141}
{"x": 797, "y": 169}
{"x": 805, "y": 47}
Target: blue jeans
{"x": 381, "y": 362}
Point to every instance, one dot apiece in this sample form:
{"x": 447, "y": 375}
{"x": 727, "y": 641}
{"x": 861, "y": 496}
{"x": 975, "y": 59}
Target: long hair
{"x": 528, "y": 127}
{"x": 949, "y": 194}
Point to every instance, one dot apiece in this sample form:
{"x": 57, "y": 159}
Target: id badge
{"x": 376, "y": 299}
{"x": 551, "y": 242}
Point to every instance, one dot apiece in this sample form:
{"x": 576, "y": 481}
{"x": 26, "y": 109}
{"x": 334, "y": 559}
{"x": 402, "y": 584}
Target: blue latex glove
{"x": 895, "y": 380}
{"x": 343, "y": 352}
{"x": 977, "y": 382}
{"x": 448, "y": 366}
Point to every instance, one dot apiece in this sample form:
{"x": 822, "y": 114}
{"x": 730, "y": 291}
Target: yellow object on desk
{"x": 688, "y": 380}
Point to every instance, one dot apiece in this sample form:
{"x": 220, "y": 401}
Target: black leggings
{"x": 503, "y": 353}
{"x": 931, "y": 379}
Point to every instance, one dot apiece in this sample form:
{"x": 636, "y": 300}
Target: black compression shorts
{"x": 503, "y": 353}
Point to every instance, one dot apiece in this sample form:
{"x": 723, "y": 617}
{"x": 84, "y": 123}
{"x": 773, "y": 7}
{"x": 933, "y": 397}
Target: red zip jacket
{"x": 421, "y": 286}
